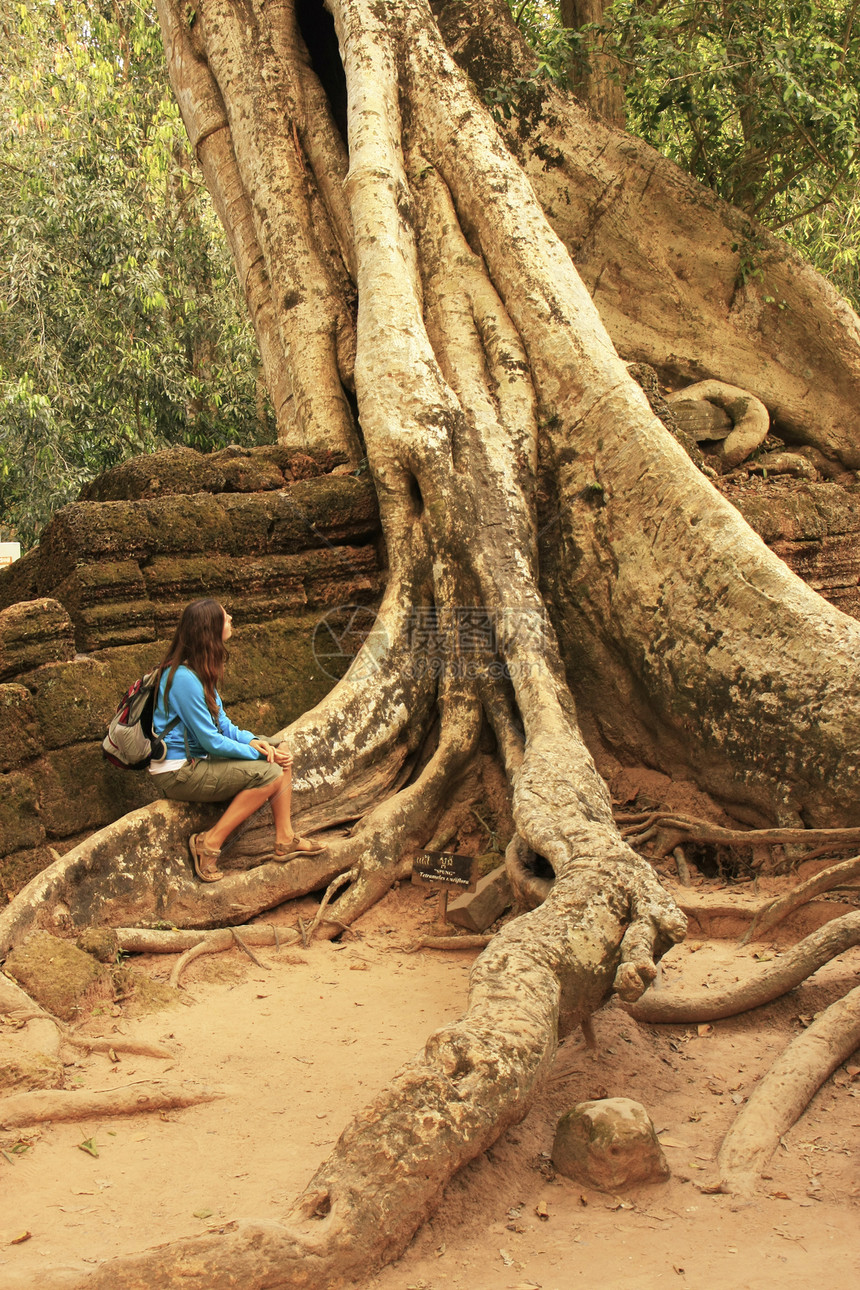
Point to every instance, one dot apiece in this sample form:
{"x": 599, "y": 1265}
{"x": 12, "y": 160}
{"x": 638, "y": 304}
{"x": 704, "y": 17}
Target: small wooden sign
{"x": 445, "y": 869}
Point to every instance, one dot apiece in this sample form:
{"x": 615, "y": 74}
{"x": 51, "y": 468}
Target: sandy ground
{"x": 302, "y": 1046}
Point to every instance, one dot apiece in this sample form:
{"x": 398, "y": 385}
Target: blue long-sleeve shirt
{"x": 187, "y": 701}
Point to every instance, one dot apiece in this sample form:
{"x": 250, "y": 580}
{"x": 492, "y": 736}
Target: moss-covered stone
{"x": 19, "y": 730}
{"x": 17, "y": 868}
{"x": 188, "y": 524}
{"x": 157, "y": 474}
{"x": 32, "y": 633}
{"x": 73, "y": 702}
{"x": 19, "y": 581}
{"x": 20, "y": 825}
{"x": 101, "y": 942}
{"x": 88, "y": 532}
{"x": 80, "y": 791}
{"x": 59, "y": 976}
{"x": 182, "y": 471}
{"x": 275, "y": 662}
{"x": 123, "y": 623}
{"x": 140, "y": 994}
{"x": 610, "y": 1143}
{"x": 797, "y": 510}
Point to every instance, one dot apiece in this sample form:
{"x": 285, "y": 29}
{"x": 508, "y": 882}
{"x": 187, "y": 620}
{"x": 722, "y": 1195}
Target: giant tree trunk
{"x": 516, "y": 463}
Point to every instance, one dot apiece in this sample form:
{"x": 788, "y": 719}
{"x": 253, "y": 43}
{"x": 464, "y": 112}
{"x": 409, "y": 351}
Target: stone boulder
{"x": 60, "y": 977}
{"x": 33, "y": 633}
{"x": 610, "y": 1144}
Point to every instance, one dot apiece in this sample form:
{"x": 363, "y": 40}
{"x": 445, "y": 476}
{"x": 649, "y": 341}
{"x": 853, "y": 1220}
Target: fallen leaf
{"x": 203, "y": 1213}
{"x": 506, "y": 1259}
{"x": 666, "y": 1141}
{"x": 90, "y": 1147}
{"x": 20, "y": 1238}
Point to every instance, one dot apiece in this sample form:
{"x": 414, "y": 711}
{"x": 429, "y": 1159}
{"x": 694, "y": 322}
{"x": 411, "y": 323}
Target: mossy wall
{"x": 94, "y": 606}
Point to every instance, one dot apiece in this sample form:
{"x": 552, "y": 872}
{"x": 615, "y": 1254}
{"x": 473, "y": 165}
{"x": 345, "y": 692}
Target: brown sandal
{"x": 298, "y": 847}
{"x": 199, "y": 853}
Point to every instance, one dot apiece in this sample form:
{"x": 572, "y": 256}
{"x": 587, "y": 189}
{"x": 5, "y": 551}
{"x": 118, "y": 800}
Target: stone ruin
{"x": 282, "y": 539}
{"x": 279, "y": 537}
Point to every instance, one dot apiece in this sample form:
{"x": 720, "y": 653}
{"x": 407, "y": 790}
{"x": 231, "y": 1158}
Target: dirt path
{"x": 303, "y": 1046}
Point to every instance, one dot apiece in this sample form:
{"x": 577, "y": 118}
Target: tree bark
{"x": 596, "y": 75}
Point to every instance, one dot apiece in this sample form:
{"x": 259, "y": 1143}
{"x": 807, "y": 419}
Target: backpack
{"x": 131, "y": 743}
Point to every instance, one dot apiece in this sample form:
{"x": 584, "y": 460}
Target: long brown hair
{"x": 198, "y": 642}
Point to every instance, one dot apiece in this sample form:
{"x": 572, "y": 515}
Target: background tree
{"x": 758, "y": 101}
{"x": 120, "y": 325}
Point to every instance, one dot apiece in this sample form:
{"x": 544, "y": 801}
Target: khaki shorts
{"x": 215, "y": 779}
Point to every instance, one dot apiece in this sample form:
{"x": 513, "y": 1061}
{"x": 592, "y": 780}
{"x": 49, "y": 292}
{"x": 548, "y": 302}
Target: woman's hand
{"x": 279, "y": 754}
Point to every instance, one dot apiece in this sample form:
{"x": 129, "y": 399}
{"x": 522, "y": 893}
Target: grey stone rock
{"x": 59, "y": 976}
{"x": 477, "y": 910}
{"x": 32, "y": 633}
{"x": 701, "y": 420}
{"x": 610, "y": 1144}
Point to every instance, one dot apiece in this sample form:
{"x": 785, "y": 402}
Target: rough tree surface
{"x": 417, "y": 305}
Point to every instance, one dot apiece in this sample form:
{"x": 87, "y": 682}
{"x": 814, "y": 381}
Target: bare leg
{"x": 250, "y": 800}
{"x": 281, "y": 802}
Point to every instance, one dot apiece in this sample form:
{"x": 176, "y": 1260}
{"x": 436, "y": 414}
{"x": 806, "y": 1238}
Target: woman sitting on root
{"x": 207, "y": 759}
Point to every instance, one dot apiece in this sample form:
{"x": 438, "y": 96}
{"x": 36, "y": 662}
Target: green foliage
{"x": 121, "y": 329}
{"x": 756, "y": 98}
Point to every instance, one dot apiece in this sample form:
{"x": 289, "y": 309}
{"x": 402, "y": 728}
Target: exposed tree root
{"x": 57, "y": 1104}
{"x": 18, "y": 1007}
{"x": 529, "y": 889}
{"x": 206, "y": 946}
{"x": 671, "y": 829}
{"x": 116, "y": 1044}
{"x": 663, "y": 1006}
{"x": 783, "y": 1094}
{"x": 146, "y": 940}
{"x": 837, "y": 875}
{"x": 223, "y": 938}
{"x": 469, "y": 942}
{"x": 749, "y": 417}
{"x": 541, "y": 973}
{"x": 15, "y": 1001}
